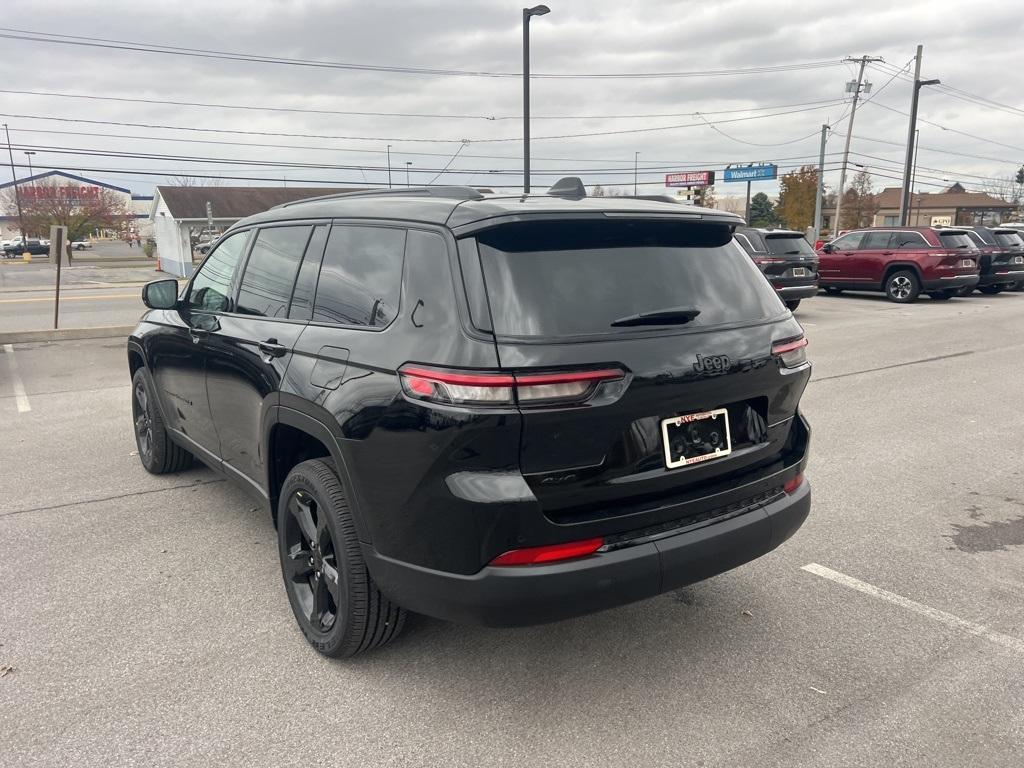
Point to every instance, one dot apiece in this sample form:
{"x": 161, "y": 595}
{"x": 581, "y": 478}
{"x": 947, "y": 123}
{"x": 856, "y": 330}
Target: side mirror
{"x": 828, "y": 248}
{"x": 160, "y": 294}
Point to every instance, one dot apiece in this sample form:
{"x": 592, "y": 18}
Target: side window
{"x": 743, "y": 241}
{"x": 875, "y": 241}
{"x": 361, "y": 276}
{"x": 850, "y": 242}
{"x": 211, "y": 287}
{"x": 908, "y": 240}
{"x": 305, "y": 285}
{"x": 270, "y": 272}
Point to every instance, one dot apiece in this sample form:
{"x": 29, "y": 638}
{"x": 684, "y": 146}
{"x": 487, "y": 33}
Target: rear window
{"x": 955, "y": 240}
{"x": 788, "y": 245}
{"x": 977, "y": 238}
{"x": 1009, "y": 238}
{"x": 559, "y": 278}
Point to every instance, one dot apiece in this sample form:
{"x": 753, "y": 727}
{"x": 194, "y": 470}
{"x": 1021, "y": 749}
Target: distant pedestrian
{"x": 131, "y": 243}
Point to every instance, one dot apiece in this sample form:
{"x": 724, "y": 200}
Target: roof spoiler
{"x": 569, "y": 187}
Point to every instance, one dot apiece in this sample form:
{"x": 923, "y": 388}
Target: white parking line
{"x": 20, "y": 396}
{"x": 948, "y": 619}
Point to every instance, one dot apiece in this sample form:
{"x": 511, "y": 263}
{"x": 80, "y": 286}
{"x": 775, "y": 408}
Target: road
{"x": 79, "y": 308}
{"x": 146, "y": 623}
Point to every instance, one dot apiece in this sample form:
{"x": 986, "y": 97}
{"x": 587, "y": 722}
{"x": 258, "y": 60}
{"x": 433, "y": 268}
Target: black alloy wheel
{"x": 311, "y": 562}
{"x": 143, "y": 418}
{"x": 157, "y": 452}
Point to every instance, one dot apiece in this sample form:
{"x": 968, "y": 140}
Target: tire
{"x": 313, "y": 507}
{"x": 1017, "y": 287}
{"x": 967, "y": 290}
{"x": 943, "y": 295}
{"x": 793, "y": 304}
{"x": 833, "y": 291}
{"x": 902, "y": 286}
{"x": 991, "y": 290}
{"x": 157, "y": 452}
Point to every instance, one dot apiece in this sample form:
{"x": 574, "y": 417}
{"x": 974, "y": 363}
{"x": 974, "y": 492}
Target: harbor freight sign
{"x": 752, "y": 173}
{"x": 690, "y": 179}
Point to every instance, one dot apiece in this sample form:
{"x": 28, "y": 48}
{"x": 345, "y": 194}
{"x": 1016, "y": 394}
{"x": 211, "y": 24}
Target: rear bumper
{"x": 791, "y": 292}
{"x": 1003, "y": 275}
{"x": 951, "y": 282}
{"x": 524, "y": 595}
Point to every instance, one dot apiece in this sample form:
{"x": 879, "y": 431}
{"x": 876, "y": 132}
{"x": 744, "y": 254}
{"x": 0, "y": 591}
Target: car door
{"x": 248, "y": 354}
{"x": 868, "y": 263}
{"x": 835, "y": 260}
{"x": 176, "y": 351}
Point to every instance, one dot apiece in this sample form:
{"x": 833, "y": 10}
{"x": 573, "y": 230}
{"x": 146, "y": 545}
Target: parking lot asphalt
{"x": 145, "y": 620}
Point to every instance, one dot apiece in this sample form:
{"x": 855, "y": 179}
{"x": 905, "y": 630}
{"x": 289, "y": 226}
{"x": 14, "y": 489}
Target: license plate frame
{"x": 704, "y": 423}
{"x": 799, "y": 272}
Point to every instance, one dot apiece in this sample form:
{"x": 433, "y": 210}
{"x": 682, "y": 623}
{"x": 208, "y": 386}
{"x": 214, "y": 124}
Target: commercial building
{"x": 182, "y": 217}
{"x": 950, "y": 207}
{"x": 63, "y": 191}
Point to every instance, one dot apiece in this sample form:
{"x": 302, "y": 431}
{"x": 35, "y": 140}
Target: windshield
{"x": 955, "y": 240}
{"x": 1012, "y": 239}
{"x": 576, "y": 278}
{"x": 788, "y": 245}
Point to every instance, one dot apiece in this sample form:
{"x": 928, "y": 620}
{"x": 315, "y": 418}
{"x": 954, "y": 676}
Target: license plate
{"x": 696, "y": 437}
{"x": 966, "y": 263}
{"x": 1018, "y": 259}
{"x": 799, "y": 272}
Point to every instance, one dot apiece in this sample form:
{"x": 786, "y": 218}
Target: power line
{"x": 950, "y": 130}
{"x": 126, "y": 45}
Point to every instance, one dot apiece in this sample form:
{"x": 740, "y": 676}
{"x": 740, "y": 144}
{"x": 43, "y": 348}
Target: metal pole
{"x": 30, "y": 173}
{"x": 747, "y": 208}
{"x": 905, "y": 192}
{"x": 389, "y": 166}
{"x": 17, "y": 195}
{"x": 636, "y": 160}
{"x": 846, "y": 147}
{"x": 913, "y": 174}
{"x": 60, "y": 251}
{"x": 820, "y": 191}
{"x": 526, "y": 101}
{"x": 407, "y": 164}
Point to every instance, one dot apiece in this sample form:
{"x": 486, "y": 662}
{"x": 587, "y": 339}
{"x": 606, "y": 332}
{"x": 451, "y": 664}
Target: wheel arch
{"x": 899, "y": 266}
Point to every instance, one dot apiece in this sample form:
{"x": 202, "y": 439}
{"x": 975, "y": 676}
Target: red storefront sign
{"x": 690, "y": 179}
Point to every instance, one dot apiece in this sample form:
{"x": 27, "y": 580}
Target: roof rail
{"x": 446, "y": 193}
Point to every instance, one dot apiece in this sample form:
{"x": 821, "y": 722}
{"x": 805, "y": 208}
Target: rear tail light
{"x": 549, "y": 554}
{"x": 791, "y": 353}
{"x": 763, "y": 261}
{"x": 793, "y": 483}
{"x": 487, "y": 388}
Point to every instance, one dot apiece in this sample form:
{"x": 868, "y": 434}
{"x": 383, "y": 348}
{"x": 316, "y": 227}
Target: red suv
{"x": 901, "y": 261}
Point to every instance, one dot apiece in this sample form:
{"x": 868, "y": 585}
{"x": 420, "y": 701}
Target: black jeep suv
{"x": 787, "y": 260}
{"x": 494, "y": 410}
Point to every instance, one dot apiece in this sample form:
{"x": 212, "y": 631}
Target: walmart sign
{"x": 752, "y": 173}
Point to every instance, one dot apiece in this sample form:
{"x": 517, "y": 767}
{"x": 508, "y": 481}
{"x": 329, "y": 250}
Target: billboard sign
{"x": 48, "y": 193}
{"x": 690, "y": 179}
{"x": 752, "y": 173}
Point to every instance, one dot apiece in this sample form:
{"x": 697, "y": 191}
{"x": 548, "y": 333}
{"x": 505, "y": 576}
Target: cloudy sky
{"x": 587, "y": 126}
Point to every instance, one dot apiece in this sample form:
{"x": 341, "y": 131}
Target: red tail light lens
{"x": 762, "y": 261}
{"x": 549, "y": 554}
{"x": 487, "y": 388}
{"x": 793, "y": 483}
{"x": 791, "y": 353}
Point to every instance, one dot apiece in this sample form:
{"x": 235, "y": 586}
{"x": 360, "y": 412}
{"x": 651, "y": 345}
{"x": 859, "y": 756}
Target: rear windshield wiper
{"x": 669, "y": 316}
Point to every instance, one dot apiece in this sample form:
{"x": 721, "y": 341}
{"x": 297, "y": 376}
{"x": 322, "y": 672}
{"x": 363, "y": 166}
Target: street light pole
{"x": 913, "y": 173}
{"x": 407, "y": 164}
{"x": 389, "y": 166}
{"x": 537, "y": 10}
{"x": 636, "y": 161}
{"x": 28, "y": 154}
{"x": 908, "y": 164}
{"x": 819, "y": 192}
{"x": 17, "y": 194}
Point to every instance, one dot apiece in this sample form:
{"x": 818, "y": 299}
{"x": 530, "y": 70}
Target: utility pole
{"x": 908, "y": 164}
{"x": 820, "y": 191}
{"x": 17, "y": 195}
{"x": 913, "y": 177}
{"x": 857, "y": 87}
{"x": 408, "y": 165}
{"x": 636, "y": 160}
{"x": 389, "y": 166}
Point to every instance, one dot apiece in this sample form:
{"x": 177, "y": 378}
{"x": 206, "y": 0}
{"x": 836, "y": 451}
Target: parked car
{"x": 81, "y": 245}
{"x": 1001, "y": 259}
{"x": 901, "y": 261}
{"x": 500, "y": 410}
{"x": 32, "y": 246}
{"x": 786, "y": 259}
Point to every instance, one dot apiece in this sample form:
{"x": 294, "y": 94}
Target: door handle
{"x": 271, "y": 349}
{"x": 887, "y": 253}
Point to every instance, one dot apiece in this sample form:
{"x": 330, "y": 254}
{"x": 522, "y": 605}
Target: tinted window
{"x": 1009, "y": 238}
{"x": 211, "y": 287}
{"x": 850, "y": 242}
{"x": 788, "y": 245}
{"x": 985, "y": 235}
{"x": 559, "y": 278}
{"x": 955, "y": 240}
{"x": 908, "y": 240}
{"x": 976, "y": 238}
{"x": 270, "y": 272}
{"x": 305, "y": 285}
{"x": 361, "y": 276}
{"x": 744, "y": 243}
{"x": 875, "y": 241}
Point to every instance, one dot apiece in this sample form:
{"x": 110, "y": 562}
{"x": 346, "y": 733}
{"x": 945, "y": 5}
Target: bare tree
{"x": 1005, "y": 188}
{"x": 193, "y": 181}
{"x": 79, "y": 208}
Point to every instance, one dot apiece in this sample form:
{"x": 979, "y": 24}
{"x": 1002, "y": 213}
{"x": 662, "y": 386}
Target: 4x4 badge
{"x": 713, "y": 365}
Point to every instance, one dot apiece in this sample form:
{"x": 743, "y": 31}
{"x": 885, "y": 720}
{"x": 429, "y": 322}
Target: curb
{"x": 67, "y": 334}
